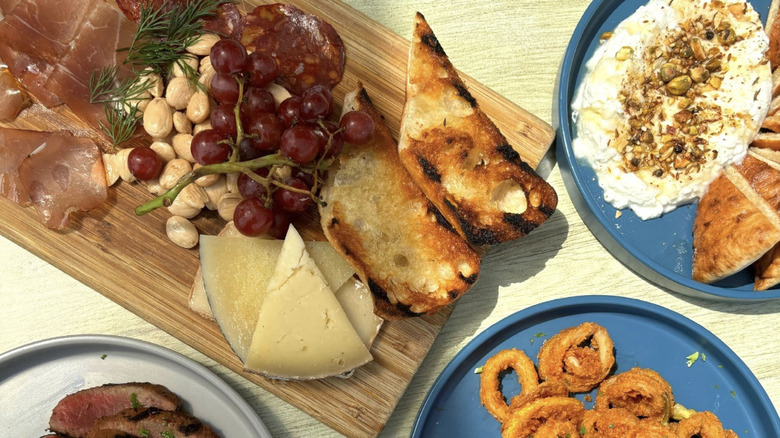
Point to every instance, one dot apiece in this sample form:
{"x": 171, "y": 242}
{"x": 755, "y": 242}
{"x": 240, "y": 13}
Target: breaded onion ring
{"x": 643, "y": 392}
{"x": 489, "y": 390}
{"x": 579, "y": 356}
{"x": 550, "y": 388}
{"x": 703, "y": 425}
{"x": 527, "y": 420}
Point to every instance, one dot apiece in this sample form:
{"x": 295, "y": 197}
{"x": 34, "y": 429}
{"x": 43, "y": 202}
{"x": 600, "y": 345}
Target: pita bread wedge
{"x": 737, "y": 219}
{"x": 772, "y": 29}
{"x": 767, "y": 268}
{"x": 458, "y": 157}
{"x": 377, "y": 218}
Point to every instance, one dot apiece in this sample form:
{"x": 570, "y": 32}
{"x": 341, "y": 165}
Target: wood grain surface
{"x": 129, "y": 259}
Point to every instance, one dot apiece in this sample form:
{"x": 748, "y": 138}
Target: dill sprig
{"x": 120, "y": 100}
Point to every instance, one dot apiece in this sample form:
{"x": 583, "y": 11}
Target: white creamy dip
{"x": 675, "y": 94}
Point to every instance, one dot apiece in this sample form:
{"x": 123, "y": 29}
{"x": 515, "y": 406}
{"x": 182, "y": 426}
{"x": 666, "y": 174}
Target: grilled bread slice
{"x": 458, "y": 157}
{"x": 737, "y": 219}
{"x": 772, "y": 29}
{"x": 377, "y": 218}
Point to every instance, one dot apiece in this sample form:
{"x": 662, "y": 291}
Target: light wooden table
{"x": 514, "y": 47}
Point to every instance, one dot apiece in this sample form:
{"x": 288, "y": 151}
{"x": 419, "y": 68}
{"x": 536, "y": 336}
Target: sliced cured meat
{"x": 227, "y": 21}
{"x": 12, "y": 98}
{"x": 104, "y": 29}
{"x": 75, "y": 414}
{"x": 15, "y": 146}
{"x": 308, "y": 49}
{"x": 6, "y": 6}
{"x": 158, "y": 423}
{"x": 35, "y": 35}
{"x": 63, "y": 174}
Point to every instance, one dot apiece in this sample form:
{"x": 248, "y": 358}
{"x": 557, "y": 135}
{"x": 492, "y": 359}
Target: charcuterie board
{"x": 130, "y": 260}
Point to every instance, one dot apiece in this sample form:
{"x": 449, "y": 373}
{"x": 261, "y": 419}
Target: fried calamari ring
{"x": 702, "y": 425}
{"x": 558, "y": 429}
{"x": 527, "y": 420}
{"x": 489, "y": 388}
{"x": 609, "y": 423}
{"x": 643, "y": 392}
{"x": 579, "y": 356}
{"x": 550, "y": 388}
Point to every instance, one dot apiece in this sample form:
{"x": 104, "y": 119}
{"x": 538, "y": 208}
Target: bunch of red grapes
{"x": 298, "y": 131}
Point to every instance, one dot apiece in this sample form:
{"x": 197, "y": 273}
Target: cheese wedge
{"x": 236, "y": 271}
{"x": 199, "y": 302}
{"x": 302, "y": 331}
{"x": 358, "y": 304}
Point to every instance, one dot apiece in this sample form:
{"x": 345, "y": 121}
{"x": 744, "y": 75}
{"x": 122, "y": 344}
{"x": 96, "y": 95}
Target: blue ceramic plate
{"x": 645, "y": 335}
{"x": 660, "y": 249}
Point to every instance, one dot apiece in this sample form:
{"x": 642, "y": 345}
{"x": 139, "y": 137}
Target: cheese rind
{"x": 236, "y": 272}
{"x": 302, "y": 331}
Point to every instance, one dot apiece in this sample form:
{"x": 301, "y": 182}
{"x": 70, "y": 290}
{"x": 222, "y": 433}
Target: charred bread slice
{"x": 772, "y": 29}
{"x": 378, "y": 219}
{"x": 737, "y": 219}
{"x": 458, "y": 157}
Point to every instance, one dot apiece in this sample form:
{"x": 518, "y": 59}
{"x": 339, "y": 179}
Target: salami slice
{"x": 227, "y": 21}
{"x": 308, "y": 49}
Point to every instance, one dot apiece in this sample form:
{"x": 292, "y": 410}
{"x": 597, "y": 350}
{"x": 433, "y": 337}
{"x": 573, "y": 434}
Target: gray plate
{"x": 34, "y": 377}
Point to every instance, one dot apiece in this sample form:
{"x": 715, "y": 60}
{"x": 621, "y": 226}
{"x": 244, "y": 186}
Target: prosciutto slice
{"x": 103, "y": 30}
{"x": 35, "y": 35}
{"x": 55, "y": 172}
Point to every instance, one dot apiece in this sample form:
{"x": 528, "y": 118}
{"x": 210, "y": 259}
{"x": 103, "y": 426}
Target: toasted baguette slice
{"x": 458, "y": 157}
{"x": 737, "y": 219}
{"x": 377, "y": 218}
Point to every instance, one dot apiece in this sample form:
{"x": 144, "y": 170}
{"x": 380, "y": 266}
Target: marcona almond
{"x": 181, "y": 123}
{"x": 112, "y": 163}
{"x": 179, "y": 92}
{"x": 181, "y": 208}
{"x": 181, "y": 144}
{"x": 156, "y": 84}
{"x": 153, "y": 186}
{"x": 181, "y": 231}
{"x": 173, "y": 171}
{"x": 194, "y": 196}
{"x": 158, "y": 120}
{"x": 124, "y": 171}
{"x": 232, "y": 182}
{"x": 198, "y": 108}
{"x": 202, "y": 46}
{"x": 191, "y": 63}
{"x": 202, "y": 126}
{"x": 164, "y": 150}
{"x": 215, "y": 192}
{"x": 205, "y": 180}
{"x": 227, "y": 205}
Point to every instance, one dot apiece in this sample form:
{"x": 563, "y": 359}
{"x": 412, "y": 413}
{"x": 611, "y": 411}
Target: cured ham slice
{"x": 6, "y": 6}
{"x": 103, "y": 30}
{"x": 55, "y": 172}
{"x": 35, "y": 35}
{"x": 12, "y": 98}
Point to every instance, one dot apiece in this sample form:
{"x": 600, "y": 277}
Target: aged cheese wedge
{"x": 236, "y": 271}
{"x": 302, "y": 331}
{"x": 199, "y": 302}
{"x": 358, "y": 304}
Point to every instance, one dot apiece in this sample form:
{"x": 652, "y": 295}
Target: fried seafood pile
{"x": 637, "y": 403}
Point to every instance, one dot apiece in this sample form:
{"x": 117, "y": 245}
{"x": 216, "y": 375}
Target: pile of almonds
{"x": 174, "y": 110}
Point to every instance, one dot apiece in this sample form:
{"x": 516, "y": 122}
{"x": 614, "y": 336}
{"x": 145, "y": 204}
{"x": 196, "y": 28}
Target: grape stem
{"x": 167, "y": 198}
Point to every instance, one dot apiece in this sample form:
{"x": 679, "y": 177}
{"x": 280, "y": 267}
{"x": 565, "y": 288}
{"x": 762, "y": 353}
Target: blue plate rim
{"x": 587, "y": 207}
{"x": 583, "y": 304}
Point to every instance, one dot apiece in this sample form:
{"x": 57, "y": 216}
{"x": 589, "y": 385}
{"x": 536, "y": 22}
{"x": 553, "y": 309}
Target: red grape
{"x": 206, "y": 149}
{"x": 224, "y": 88}
{"x": 144, "y": 163}
{"x": 358, "y": 127}
{"x": 330, "y": 133}
{"x": 223, "y": 120}
{"x": 290, "y": 111}
{"x": 257, "y": 100}
{"x": 293, "y": 202}
{"x": 252, "y": 218}
{"x": 247, "y": 150}
{"x": 316, "y": 103}
{"x": 250, "y": 188}
{"x": 268, "y": 130}
{"x": 262, "y": 69}
{"x": 228, "y": 56}
{"x": 281, "y": 224}
{"x": 300, "y": 143}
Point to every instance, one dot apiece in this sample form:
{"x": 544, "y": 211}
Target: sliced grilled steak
{"x": 152, "y": 423}
{"x": 74, "y": 415}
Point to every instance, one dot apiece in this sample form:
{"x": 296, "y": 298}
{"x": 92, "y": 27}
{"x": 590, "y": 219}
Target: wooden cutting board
{"x": 129, "y": 259}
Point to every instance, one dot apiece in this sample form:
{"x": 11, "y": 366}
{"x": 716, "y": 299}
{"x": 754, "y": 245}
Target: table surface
{"x": 514, "y": 47}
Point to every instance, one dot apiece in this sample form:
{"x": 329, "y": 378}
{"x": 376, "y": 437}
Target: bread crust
{"x": 459, "y": 158}
{"x": 375, "y": 216}
{"x": 736, "y": 219}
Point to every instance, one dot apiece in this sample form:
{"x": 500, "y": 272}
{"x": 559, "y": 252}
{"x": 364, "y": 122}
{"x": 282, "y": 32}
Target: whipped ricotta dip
{"x": 673, "y": 95}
